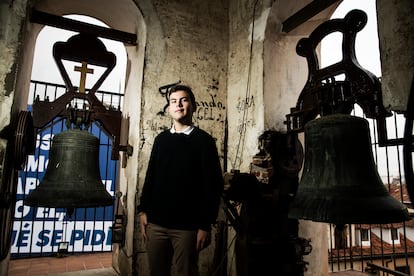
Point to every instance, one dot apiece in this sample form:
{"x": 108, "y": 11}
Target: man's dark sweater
{"x": 184, "y": 181}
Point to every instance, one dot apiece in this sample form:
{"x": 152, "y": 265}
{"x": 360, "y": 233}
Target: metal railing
{"x": 383, "y": 249}
{"x": 38, "y": 231}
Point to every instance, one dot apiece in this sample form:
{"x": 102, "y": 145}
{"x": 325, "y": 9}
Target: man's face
{"x": 180, "y": 107}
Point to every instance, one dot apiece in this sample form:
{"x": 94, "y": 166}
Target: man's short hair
{"x": 180, "y": 87}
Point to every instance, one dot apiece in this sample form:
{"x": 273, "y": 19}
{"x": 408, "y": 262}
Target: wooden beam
{"x": 306, "y": 13}
{"x": 82, "y": 27}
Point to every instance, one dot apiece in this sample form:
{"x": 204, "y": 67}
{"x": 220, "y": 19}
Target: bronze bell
{"x": 340, "y": 183}
{"x": 72, "y": 178}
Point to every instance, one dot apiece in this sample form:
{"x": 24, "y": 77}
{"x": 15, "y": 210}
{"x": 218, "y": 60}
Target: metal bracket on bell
{"x": 124, "y": 146}
{"x": 323, "y": 93}
{"x": 119, "y": 225}
{"x": 80, "y": 118}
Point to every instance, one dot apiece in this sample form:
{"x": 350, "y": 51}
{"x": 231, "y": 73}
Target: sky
{"x": 367, "y": 54}
{"x": 366, "y": 43}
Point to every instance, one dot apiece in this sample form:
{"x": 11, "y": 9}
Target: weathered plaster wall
{"x": 245, "y": 80}
{"x": 12, "y": 16}
{"x": 396, "y": 39}
{"x": 192, "y": 49}
{"x": 187, "y": 42}
{"x": 247, "y": 22}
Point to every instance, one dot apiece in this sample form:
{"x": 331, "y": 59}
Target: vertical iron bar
{"x": 344, "y": 249}
{"x": 350, "y": 247}
{"x": 361, "y": 251}
{"x": 401, "y": 191}
{"x": 331, "y": 248}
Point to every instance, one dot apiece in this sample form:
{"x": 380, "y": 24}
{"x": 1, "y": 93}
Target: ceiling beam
{"x": 82, "y": 27}
{"x": 306, "y": 13}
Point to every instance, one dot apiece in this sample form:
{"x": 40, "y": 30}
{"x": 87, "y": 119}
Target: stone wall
{"x": 189, "y": 45}
{"x": 396, "y": 39}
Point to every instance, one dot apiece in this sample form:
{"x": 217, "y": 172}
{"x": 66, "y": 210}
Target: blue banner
{"x": 40, "y": 230}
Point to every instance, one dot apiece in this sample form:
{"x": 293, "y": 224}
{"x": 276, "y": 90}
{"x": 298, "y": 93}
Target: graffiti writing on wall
{"x": 243, "y": 106}
{"x": 155, "y": 125}
{"x": 211, "y": 109}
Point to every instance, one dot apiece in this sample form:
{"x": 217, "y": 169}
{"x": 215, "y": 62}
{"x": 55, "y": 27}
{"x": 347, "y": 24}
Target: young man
{"x": 181, "y": 193}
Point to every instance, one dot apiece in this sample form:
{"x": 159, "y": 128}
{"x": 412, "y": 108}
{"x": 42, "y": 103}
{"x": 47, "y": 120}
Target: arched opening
{"x": 39, "y": 223}
{"x": 44, "y": 67}
{"x": 120, "y": 15}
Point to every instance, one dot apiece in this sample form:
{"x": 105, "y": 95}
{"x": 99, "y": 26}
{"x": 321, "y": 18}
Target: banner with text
{"x": 38, "y": 230}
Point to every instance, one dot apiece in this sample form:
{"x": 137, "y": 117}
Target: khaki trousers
{"x": 171, "y": 248}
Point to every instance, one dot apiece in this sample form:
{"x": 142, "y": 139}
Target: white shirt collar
{"x": 186, "y": 131}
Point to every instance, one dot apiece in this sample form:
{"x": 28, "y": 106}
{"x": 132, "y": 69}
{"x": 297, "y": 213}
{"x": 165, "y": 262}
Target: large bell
{"x": 72, "y": 178}
{"x": 340, "y": 183}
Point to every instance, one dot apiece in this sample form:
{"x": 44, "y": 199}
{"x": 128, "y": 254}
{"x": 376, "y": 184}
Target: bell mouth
{"x": 72, "y": 178}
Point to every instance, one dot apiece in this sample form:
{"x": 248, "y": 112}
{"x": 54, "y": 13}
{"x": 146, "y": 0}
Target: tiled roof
{"x": 377, "y": 247}
{"x": 398, "y": 191}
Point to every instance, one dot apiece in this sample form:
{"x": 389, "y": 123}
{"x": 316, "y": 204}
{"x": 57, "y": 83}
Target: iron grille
{"x": 383, "y": 249}
{"x": 39, "y": 231}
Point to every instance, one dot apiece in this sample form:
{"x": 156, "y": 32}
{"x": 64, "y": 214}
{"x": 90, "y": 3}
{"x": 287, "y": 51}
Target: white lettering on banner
{"x": 44, "y": 143}
{"x": 50, "y": 213}
{"x": 21, "y": 210}
{"x": 23, "y": 236}
{"x": 108, "y": 186}
{"x": 36, "y": 165}
{"x": 31, "y": 184}
{"x": 41, "y": 229}
{"x": 46, "y": 235}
